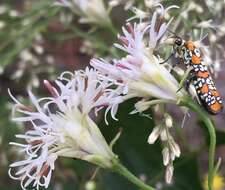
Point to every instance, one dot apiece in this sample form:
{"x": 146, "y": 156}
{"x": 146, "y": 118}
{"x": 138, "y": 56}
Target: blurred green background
{"x": 38, "y": 41}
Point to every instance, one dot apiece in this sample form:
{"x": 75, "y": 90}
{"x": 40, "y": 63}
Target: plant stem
{"x": 208, "y": 123}
{"x": 109, "y": 26}
{"x": 119, "y": 168}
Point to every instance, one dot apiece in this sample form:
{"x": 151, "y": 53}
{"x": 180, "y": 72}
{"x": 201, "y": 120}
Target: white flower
{"x": 61, "y": 126}
{"x": 169, "y": 173}
{"x": 132, "y": 41}
{"x": 158, "y": 26}
{"x": 141, "y": 70}
{"x": 171, "y": 149}
{"x": 36, "y": 172}
{"x": 154, "y": 134}
{"x": 168, "y": 121}
{"x": 90, "y": 11}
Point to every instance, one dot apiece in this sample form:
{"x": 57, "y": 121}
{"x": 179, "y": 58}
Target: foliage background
{"x": 38, "y": 41}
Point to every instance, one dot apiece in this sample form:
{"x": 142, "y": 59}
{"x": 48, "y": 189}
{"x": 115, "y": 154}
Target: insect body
{"x": 199, "y": 75}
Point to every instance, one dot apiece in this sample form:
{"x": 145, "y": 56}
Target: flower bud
{"x": 175, "y": 149}
{"x": 166, "y": 156}
{"x": 169, "y": 173}
{"x": 168, "y": 120}
{"x": 154, "y": 135}
{"x": 163, "y": 135}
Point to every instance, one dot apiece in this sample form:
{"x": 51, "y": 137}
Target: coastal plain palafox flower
{"x": 61, "y": 126}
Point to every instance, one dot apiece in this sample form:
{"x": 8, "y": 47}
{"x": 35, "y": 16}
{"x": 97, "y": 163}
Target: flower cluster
{"x": 141, "y": 70}
{"x": 171, "y": 149}
{"x": 61, "y": 126}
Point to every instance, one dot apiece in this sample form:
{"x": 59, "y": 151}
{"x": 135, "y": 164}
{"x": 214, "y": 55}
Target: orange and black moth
{"x": 199, "y": 75}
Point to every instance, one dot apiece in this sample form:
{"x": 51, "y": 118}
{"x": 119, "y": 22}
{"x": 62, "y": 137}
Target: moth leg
{"x": 178, "y": 62}
{"x": 167, "y": 59}
{"x": 187, "y": 79}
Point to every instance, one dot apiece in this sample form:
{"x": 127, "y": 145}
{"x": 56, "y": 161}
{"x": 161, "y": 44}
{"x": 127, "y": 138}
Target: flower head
{"x": 141, "y": 70}
{"x": 90, "y": 11}
{"x": 61, "y": 126}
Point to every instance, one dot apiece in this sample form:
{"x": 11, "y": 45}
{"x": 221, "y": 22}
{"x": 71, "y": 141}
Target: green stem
{"x": 109, "y": 26}
{"x": 208, "y": 123}
{"x": 160, "y": 101}
{"x": 119, "y": 168}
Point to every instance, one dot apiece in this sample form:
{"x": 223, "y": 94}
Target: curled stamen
{"x": 130, "y": 29}
{"x": 159, "y": 23}
{"x": 123, "y": 40}
{"x": 45, "y": 170}
{"x": 25, "y": 108}
{"x": 85, "y": 83}
{"x": 51, "y": 89}
{"x": 100, "y": 93}
{"x": 122, "y": 66}
{"x": 36, "y": 142}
